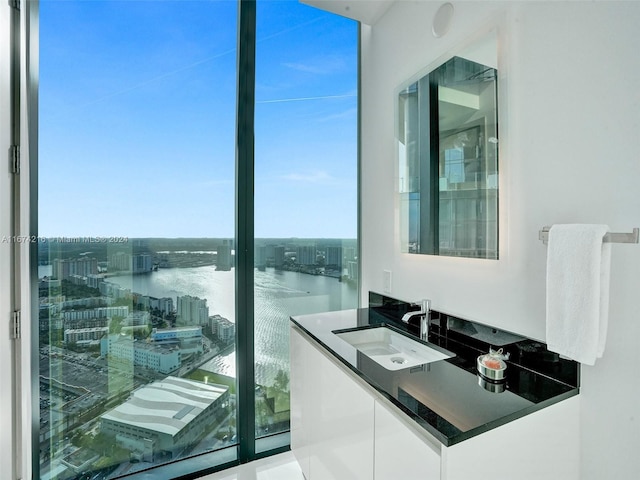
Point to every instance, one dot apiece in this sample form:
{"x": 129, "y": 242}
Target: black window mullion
{"x": 244, "y": 251}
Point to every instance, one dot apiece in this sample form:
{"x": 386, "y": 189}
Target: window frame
{"x": 26, "y": 433}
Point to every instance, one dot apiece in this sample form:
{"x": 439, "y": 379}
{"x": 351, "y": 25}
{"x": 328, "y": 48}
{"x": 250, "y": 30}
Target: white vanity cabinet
{"x": 542, "y": 445}
{"x": 399, "y": 452}
{"x": 331, "y": 417}
{"x": 342, "y": 428}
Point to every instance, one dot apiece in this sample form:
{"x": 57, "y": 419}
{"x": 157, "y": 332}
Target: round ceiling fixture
{"x": 442, "y": 20}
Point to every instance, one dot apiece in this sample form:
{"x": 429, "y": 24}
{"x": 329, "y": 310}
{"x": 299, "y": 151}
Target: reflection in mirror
{"x": 448, "y": 153}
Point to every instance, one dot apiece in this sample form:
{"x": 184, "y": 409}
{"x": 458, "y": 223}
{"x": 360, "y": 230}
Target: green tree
{"x": 115, "y": 326}
{"x": 281, "y": 381}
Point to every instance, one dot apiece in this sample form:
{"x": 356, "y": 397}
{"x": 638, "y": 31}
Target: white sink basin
{"x": 391, "y": 349}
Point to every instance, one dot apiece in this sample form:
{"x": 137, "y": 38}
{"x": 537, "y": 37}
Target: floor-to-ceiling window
{"x": 137, "y": 248}
{"x": 305, "y": 198}
{"x": 136, "y": 217}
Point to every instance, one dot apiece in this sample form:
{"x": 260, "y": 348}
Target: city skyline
{"x": 137, "y": 120}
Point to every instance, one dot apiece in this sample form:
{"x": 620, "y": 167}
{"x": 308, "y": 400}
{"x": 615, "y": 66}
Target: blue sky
{"x": 137, "y": 111}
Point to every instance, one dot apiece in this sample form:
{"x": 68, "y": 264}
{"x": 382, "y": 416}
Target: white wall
{"x": 570, "y": 153}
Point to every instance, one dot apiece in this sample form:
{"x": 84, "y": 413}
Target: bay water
{"x": 278, "y": 295}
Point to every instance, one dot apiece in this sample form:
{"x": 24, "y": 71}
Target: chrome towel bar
{"x": 632, "y": 237}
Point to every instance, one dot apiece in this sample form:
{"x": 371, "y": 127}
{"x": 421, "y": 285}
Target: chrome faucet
{"x": 425, "y": 308}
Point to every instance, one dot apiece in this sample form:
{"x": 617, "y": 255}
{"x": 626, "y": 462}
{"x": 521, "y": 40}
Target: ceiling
{"x": 365, "y": 11}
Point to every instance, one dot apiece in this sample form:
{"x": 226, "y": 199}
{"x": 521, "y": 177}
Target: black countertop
{"x": 447, "y": 397}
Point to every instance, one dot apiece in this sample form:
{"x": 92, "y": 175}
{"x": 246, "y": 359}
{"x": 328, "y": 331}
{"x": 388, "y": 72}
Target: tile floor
{"x": 277, "y": 467}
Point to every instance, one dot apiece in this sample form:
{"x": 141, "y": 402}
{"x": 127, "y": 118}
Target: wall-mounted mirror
{"x": 447, "y": 132}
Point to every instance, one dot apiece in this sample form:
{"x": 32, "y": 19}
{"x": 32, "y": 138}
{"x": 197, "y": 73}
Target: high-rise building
{"x": 119, "y": 261}
{"x": 350, "y": 253}
{"x": 192, "y": 310}
{"x": 270, "y": 254}
{"x": 84, "y": 336}
{"x": 94, "y": 280}
{"x": 77, "y": 279}
{"x": 333, "y": 257}
{"x": 223, "y": 261}
{"x": 137, "y": 319}
{"x": 353, "y": 270}
{"x": 306, "y": 255}
{"x": 141, "y": 263}
{"x": 164, "y": 304}
{"x": 138, "y": 263}
{"x": 100, "y": 312}
{"x": 223, "y": 328}
{"x": 278, "y": 253}
{"x": 113, "y": 290}
{"x": 260, "y": 259}
{"x": 65, "y": 268}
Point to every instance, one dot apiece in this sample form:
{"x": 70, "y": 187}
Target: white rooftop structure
{"x": 166, "y": 406}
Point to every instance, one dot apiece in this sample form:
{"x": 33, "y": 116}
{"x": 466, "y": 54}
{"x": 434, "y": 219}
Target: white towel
{"x": 578, "y": 265}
